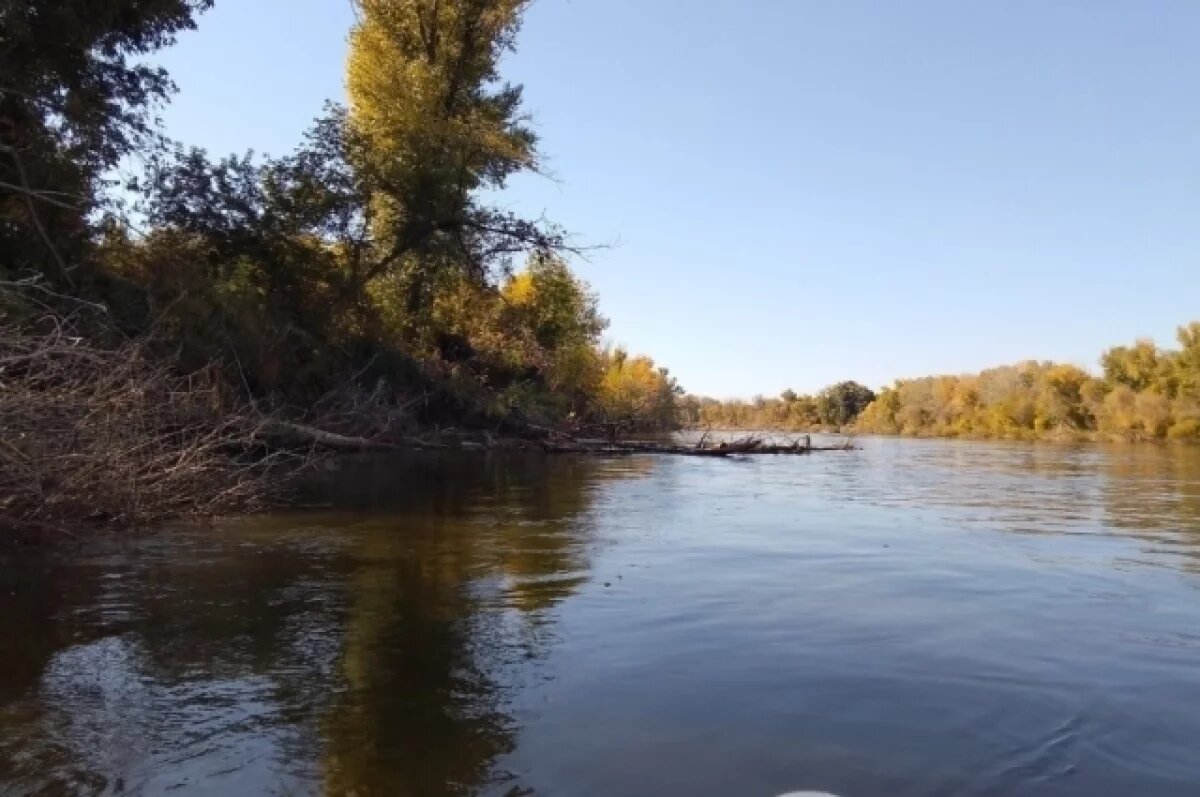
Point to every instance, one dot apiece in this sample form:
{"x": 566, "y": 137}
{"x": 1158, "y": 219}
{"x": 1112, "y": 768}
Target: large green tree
{"x": 842, "y": 403}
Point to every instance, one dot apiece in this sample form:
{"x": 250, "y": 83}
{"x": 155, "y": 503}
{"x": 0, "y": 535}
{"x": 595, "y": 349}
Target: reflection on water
{"x": 358, "y": 649}
{"x": 918, "y": 617}
{"x": 1148, "y": 493}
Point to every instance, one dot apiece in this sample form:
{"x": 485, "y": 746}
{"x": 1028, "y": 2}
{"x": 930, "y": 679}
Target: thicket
{"x": 372, "y": 270}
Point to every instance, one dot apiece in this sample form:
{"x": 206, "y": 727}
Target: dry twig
{"x": 117, "y": 435}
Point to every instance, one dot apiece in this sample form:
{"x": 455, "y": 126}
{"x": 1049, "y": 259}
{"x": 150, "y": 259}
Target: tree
{"x": 75, "y": 98}
{"x": 554, "y": 303}
{"x": 1187, "y": 361}
{"x": 841, "y": 404}
{"x": 635, "y": 389}
{"x": 562, "y": 316}
{"x": 430, "y": 129}
{"x": 247, "y": 258}
{"x": 1137, "y": 367}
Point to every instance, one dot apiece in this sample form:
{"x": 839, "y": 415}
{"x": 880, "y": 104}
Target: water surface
{"x": 916, "y": 618}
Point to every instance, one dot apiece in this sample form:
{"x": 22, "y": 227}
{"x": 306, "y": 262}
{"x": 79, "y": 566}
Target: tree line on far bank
{"x": 835, "y": 407}
{"x": 1143, "y": 392}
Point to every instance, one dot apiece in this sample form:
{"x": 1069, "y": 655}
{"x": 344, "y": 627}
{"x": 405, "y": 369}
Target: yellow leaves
{"x": 1153, "y": 413}
{"x": 636, "y": 388}
{"x": 1136, "y": 366}
{"x": 1146, "y": 393}
{"x": 1186, "y": 429}
{"x": 417, "y": 78}
{"x": 536, "y": 336}
{"x": 520, "y": 290}
{"x": 1117, "y": 411}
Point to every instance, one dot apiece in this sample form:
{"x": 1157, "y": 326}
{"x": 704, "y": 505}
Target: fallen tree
{"x": 703, "y": 448}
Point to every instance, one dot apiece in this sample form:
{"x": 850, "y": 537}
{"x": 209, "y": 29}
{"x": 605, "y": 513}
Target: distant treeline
{"x": 834, "y": 407}
{"x": 1144, "y": 393}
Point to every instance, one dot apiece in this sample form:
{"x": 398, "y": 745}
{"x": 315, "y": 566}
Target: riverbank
{"x": 179, "y": 340}
{"x": 104, "y": 426}
{"x": 120, "y": 436}
{"x": 1057, "y": 435}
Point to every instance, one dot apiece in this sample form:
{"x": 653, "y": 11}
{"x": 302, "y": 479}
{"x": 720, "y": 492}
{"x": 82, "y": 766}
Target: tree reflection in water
{"x": 366, "y": 649}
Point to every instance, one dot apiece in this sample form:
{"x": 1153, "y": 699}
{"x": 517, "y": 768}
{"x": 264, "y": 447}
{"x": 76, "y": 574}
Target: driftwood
{"x": 558, "y": 443}
{"x": 299, "y": 434}
{"x": 742, "y": 447}
{"x": 289, "y": 434}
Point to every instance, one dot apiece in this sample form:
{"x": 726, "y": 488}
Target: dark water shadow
{"x": 364, "y": 646}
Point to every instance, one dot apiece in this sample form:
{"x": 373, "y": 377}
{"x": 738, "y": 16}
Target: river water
{"x": 915, "y": 618}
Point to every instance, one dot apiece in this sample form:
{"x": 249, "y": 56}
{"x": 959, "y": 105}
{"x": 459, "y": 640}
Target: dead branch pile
{"x": 375, "y": 414}
{"x": 115, "y": 435}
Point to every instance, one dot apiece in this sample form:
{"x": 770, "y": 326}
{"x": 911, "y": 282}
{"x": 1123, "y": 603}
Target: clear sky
{"x": 799, "y": 192}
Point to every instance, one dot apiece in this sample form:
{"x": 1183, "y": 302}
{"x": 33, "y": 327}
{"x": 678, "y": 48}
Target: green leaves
{"x": 75, "y": 98}
{"x": 432, "y": 128}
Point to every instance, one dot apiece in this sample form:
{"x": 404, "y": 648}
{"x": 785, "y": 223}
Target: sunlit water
{"x": 916, "y": 618}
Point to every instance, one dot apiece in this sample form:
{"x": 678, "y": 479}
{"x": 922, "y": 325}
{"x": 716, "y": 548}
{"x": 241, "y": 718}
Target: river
{"x": 914, "y": 618}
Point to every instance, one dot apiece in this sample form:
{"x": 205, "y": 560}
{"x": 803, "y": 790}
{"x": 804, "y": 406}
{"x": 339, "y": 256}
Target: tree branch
{"x": 29, "y": 194}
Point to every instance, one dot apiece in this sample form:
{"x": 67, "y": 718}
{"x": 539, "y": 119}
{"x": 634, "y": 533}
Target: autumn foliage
{"x": 1143, "y": 393}
{"x": 377, "y": 257}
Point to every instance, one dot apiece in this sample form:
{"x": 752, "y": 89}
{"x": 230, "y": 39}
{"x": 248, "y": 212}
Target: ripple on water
{"x": 916, "y": 618}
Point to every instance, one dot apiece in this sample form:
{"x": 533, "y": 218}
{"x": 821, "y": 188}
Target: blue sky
{"x": 801, "y": 192}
